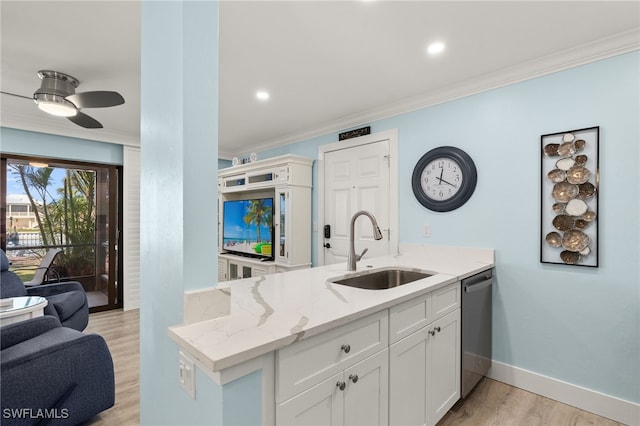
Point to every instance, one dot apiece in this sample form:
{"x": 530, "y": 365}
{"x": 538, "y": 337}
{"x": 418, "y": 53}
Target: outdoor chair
{"x": 67, "y": 300}
{"x": 44, "y": 268}
{"x": 64, "y": 376}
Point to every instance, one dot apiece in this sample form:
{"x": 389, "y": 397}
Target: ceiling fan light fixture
{"x": 55, "y": 105}
{"x": 36, "y": 164}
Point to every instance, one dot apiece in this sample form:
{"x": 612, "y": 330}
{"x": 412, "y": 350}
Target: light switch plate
{"x": 187, "y": 375}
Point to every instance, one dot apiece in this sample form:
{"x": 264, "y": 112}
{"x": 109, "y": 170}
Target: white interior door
{"x": 356, "y": 178}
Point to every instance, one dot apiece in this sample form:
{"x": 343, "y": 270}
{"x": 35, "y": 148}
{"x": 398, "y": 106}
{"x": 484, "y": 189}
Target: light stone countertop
{"x": 244, "y": 319}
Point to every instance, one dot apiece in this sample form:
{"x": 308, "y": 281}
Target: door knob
{"x": 326, "y": 245}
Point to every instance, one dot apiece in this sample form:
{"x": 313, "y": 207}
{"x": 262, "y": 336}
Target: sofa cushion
{"x": 67, "y": 304}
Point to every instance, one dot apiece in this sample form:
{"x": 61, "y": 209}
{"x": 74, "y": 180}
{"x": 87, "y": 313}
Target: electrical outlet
{"x": 187, "y": 375}
{"x": 426, "y": 231}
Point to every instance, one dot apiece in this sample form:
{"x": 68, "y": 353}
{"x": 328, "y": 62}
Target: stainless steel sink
{"x": 382, "y": 279}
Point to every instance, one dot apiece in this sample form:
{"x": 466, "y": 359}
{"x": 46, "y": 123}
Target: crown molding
{"x": 614, "y": 45}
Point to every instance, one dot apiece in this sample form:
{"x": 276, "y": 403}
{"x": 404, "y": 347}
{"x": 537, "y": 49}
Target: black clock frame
{"x": 467, "y": 168}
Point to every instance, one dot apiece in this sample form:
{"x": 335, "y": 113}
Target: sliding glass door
{"x": 70, "y": 207}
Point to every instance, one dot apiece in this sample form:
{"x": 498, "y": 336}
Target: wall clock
{"x": 444, "y": 179}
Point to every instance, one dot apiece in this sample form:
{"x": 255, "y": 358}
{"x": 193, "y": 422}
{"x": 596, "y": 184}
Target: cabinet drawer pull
{"x": 432, "y": 332}
{"x": 341, "y": 385}
{"x": 353, "y": 378}
{"x": 437, "y": 329}
{"x": 346, "y": 348}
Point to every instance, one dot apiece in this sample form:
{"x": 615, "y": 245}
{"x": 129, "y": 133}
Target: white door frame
{"x": 392, "y": 137}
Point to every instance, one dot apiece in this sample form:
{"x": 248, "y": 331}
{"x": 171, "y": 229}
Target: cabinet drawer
{"x": 308, "y": 362}
{"x": 409, "y": 317}
{"x": 445, "y": 300}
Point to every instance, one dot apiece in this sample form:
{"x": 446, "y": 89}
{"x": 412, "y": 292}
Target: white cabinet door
{"x": 320, "y": 405}
{"x": 408, "y": 377}
{"x": 357, "y": 396}
{"x": 282, "y": 225}
{"x": 445, "y": 364}
{"x": 222, "y": 269}
{"x": 366, "y": 397}
{"x": 424, "y": 373}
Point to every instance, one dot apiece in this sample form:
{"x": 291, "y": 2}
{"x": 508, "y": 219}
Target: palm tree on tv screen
{"x": 259, "y": 213}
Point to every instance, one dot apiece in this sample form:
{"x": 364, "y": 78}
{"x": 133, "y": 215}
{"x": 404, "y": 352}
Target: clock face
{"x": 441, "y": 179}
{"x": 444, "y": 179}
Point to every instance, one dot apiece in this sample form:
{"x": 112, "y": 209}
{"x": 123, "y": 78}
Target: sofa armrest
{"x": 12, "y": 334}
{"x": 56, "y": 288}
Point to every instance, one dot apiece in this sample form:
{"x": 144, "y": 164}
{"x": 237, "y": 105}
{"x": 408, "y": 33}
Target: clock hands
{"x": 448, "y": 183}
{"x": 442, "y": 180}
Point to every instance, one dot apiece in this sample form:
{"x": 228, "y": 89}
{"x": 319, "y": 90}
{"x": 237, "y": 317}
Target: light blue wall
{"x": 178, "y": 210}
{"x": 576, "y": 324}
{"x": 22, "y": 142}
{"x": 223, "y": 164}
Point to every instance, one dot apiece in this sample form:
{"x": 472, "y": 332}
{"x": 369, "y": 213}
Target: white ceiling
{"x": 328, "y": 65}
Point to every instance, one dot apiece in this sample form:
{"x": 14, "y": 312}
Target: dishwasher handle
{"x": 470, "y": 288}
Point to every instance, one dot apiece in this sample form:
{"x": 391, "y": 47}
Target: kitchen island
{"x": 247, "y": 325}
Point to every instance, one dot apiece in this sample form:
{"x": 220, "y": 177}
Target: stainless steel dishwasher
{"x": 476, "y": 329}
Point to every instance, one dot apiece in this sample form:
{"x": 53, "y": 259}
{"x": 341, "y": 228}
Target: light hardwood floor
{"x": 122, "y": 332}
{"x": 492, "y": 403}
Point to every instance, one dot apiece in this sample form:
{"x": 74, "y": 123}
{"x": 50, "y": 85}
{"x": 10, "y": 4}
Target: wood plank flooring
{"x": 492, "y": 403}
{"x": 495, "y": 403}
{"x": 122, "y": 333}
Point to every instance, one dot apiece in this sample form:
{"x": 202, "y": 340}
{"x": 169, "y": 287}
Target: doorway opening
{"x": 65, "y": 210}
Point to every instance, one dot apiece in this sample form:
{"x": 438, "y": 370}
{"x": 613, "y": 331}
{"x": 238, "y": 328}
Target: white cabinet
{"x": 222, "y": 269}
{"x": 292, "y": 219}
{"x": 424, "y": 366}
{"x": 235, "y": 268}
{"x": 336, "y": 378}
{"x": 287, "y": 180}
{"x": 445, "y": 365}
{"x": 400, "y": 366}
{"x": 355, "y": 396}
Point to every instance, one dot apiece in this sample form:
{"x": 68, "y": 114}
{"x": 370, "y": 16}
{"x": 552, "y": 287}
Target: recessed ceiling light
{"x": 262, "y": 95}
{"x": 435, "y": 48}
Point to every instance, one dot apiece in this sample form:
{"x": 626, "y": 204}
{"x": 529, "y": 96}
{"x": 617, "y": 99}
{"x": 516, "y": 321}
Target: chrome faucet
{"x": 353, "y": 257}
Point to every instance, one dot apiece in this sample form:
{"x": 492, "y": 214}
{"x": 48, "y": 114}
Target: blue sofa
{"x": 52, "y": 375}
{"x": 67, "y": 300}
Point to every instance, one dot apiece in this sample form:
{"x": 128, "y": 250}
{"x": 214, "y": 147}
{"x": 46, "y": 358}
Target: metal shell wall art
{"x": 569, "y": 199}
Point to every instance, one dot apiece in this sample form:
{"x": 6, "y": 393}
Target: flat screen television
{"x": 247, "y": 227}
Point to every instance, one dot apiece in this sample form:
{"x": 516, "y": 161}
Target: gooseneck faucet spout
{"x": 353, "y": 257}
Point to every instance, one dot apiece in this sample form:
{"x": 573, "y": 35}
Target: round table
{"x": 21, "y": 308}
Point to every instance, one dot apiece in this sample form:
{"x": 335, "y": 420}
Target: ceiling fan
{"x": 57, "y": 96}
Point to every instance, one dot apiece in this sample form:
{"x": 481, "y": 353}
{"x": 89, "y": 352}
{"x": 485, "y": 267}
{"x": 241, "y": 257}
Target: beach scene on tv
{"x": 248, "y": 227}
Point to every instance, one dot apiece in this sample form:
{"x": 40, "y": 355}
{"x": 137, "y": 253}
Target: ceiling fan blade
{"x": 98, "y": 99}
{"x": 83, "y": 120}
{"x": 17, "y": 96}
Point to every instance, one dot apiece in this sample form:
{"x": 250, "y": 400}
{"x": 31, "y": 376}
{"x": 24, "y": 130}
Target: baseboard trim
{"x": 613, "y": 408}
